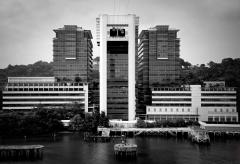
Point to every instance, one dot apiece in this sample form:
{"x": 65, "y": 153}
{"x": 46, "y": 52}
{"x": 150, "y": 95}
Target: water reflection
{"x": 71, "y": 149}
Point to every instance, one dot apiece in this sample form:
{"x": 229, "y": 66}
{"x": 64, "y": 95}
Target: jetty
{"x": 221, "y": 130}
{"x": 147, "y": 131}
{"x": 21, "y": 152}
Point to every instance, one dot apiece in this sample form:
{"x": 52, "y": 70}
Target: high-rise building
{"x": 117, "y": 36}
{"x": 72, "y": 54}
{"x": 158, "y": 62}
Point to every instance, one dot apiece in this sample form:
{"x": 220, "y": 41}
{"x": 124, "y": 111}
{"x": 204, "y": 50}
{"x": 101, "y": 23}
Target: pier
{"x": 196, "y": 134}
{"x": 221, "y": 130}
{"x": 21, "y": 152}
{"x": 167, "y": 132}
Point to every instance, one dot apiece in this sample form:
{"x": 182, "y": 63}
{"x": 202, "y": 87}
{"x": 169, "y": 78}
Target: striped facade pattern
{"x": 28, "y": 95}
{"x": 195, "y": 103}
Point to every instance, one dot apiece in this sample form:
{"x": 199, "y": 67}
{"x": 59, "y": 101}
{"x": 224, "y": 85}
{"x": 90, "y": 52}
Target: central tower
{"x": 117, "y": 37}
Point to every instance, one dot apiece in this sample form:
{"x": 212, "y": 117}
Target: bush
{"x": 141, "y": 124}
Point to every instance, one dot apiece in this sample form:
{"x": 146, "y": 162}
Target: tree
{"x": 103, "y": 120}
{"x": 76, "y": 123}
{"x": 141, "y": 124}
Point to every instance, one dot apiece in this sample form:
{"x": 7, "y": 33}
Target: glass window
{"x": 234, "y": 119}
{"x": 216, "y": 119}
{"x": 210, "y": 119}
{"x": 228, "y": 119}
{"x": 222, "y": 119}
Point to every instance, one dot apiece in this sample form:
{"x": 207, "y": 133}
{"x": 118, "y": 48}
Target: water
{"x": 71, "y": 149}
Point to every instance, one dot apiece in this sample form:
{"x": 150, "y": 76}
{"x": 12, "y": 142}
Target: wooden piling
{"x": 21, "y": 152}
{"x": 125, "y": 151}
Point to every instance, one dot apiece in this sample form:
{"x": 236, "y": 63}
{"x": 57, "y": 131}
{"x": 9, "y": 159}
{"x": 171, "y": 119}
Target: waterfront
{"x": 71, "y": 149}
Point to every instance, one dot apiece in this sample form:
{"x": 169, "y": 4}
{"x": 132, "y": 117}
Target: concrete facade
{"x": 26, "y": 93}
{"x": 193, "y": 103}
{"x": 117, "y": 65}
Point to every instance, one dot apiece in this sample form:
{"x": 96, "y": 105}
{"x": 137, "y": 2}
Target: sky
{"x": 209, "y": 29}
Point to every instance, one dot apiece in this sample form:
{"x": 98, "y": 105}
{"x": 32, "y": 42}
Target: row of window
{"x": 42, "y": 94}
{"x": 44, "y": 89}
{"x": 168, "y": 104}
{"x": 172, "y": 117}
{"x": 44, "y": 84}
{"x": 168, "y": 110}
{"x": 34, "y": 105}
{"x": 218, "y": 105}
{"x": 218, "y": 94}
{"x": 171, "y": 99}
{"x": 171, "y": 89}
{"x": 41, "y": 100}
{"x": 224, "y": 110}
{"x": 171, "y": 94}
{"x": 222, "y": 118}
{"x": 220, "y": 99}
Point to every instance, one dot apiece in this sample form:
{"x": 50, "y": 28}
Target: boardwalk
{"x": 148, "y": 131}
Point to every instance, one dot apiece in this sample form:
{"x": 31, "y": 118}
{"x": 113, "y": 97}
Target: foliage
{"x": 39, "y": 68}
{"x": 77, "y": 122}
{"x": 42, "y": 121}
{"x": 103, "y": 120}
{"x": 89, "y": 122}
{"x": 228, "y": 70}
{"x": 141, "y": 124}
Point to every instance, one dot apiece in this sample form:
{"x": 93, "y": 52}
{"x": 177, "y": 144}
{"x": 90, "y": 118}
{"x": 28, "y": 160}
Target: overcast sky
{"x": 209, "y": 29}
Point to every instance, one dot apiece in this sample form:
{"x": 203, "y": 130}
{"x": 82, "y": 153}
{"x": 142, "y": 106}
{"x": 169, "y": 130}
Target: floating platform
{"x": 104, "y": 138}
{"x": 125, "y": 150}
{"x": 199, "y": 136}
{"x": 21, "y": 152}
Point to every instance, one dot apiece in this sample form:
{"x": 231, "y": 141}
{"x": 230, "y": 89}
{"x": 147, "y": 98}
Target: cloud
{"x": 209, "y": 29}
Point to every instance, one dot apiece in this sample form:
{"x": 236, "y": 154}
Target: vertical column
{"x": 103, "y": 64}
{"x": 85, "y": 89}
{"x": 131, "y": 68}
{"x": 196, "y": 102}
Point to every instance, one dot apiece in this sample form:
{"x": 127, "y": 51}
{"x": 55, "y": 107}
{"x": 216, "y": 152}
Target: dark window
{"x": 113, "y": 32}
{"x": 121, "y": 32}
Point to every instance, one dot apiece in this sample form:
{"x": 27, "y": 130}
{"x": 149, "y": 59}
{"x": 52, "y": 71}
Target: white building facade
{"x": 26, "y": 93}
{"x": 215, "y": 104}
{"x": 117, "y": 37}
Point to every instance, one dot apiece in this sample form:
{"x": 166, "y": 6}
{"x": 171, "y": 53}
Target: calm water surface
{"x": 71, "y": 149}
